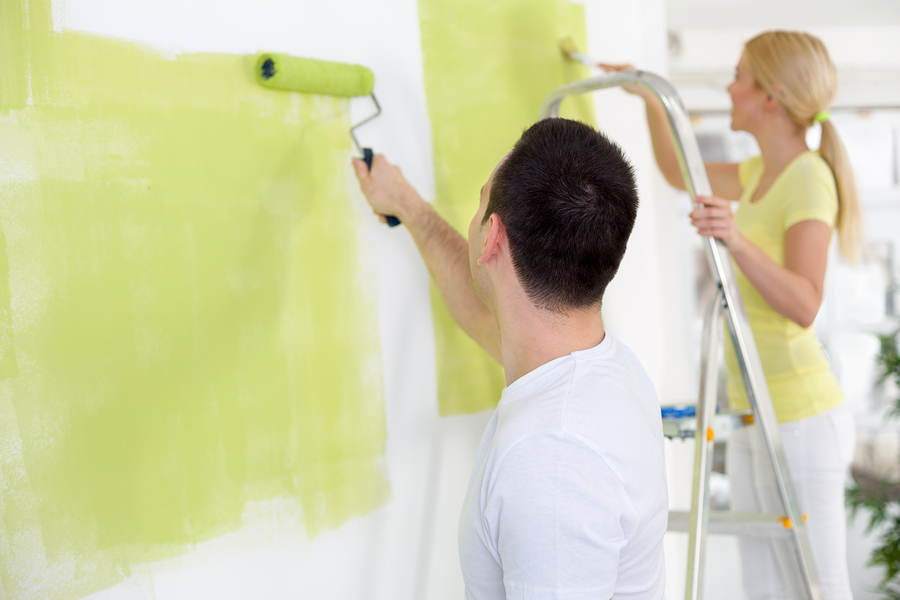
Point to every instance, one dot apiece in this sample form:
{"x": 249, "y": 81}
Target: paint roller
{"x": 311, "y": 76}
{"x": 570, "y": 50}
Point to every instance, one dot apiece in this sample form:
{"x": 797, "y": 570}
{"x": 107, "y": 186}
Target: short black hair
{"x": 567, "y": 197}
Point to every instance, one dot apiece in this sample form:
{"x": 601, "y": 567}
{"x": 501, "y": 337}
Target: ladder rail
{"x": 703, "y": 440}
{"x": 696, "y": 183}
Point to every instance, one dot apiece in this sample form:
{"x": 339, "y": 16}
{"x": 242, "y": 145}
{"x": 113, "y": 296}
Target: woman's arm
{"x": 794, "y": 290}
{"x": 724, "y": 180}
{"x": 723, "y": 177}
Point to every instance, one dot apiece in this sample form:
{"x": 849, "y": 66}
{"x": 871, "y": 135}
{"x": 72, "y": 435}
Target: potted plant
{"x": 881, "y": 496}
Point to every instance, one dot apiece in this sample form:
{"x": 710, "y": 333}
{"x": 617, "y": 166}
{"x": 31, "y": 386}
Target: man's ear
{"x": 493, "y": 240}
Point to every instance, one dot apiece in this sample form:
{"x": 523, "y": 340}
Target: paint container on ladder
{"x": 311, "y": 76}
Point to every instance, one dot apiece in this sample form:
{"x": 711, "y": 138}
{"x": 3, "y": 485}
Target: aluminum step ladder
{"x": 726, "y": 304}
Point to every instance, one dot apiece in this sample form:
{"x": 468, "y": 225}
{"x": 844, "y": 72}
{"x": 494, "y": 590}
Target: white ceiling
{"x": 785, "y": 14}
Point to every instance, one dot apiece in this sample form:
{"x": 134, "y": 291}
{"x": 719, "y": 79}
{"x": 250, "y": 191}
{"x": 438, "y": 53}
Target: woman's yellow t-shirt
{"x": 800, "y": 379}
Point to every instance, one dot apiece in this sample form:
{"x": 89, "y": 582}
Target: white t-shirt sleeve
{"x": 558, "y": 518}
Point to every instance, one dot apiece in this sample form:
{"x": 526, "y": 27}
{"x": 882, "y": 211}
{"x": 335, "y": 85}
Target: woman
{"x": 790, "y": 199}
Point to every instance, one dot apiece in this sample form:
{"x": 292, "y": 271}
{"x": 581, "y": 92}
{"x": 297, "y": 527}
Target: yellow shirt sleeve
{"x": 809, "y": 193}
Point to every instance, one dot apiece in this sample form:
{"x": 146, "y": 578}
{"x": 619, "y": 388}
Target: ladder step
{"x": 755, "y": 525}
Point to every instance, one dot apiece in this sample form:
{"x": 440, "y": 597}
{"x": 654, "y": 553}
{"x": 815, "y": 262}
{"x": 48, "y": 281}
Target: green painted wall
{"x": 488, "y": 66}
{"x": 185, "y": 324}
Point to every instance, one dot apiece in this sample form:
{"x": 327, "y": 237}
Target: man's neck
{"x": 530, "y": 338}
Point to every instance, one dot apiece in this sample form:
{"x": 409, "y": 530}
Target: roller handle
{"x": 367, "y": 156}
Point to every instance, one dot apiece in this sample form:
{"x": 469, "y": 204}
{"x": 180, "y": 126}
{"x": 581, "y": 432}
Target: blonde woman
{"x": 790, "y": 200}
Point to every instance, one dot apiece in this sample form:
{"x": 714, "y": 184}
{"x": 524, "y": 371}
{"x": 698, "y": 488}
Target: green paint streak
{"x": 185, "y": 325}
{"x": 488, "y": 67}
{"x": 13, "y": 82}
{"x": 9, "y": 366}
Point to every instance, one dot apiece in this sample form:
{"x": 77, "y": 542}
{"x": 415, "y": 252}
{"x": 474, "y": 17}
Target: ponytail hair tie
{"x": 822, "y": 116}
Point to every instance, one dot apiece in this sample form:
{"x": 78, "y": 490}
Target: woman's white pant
{"x": 819, "y": 450}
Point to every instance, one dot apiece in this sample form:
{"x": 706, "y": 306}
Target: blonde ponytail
{"x": 849, "y": 219}
{"x": 795, "y": 68}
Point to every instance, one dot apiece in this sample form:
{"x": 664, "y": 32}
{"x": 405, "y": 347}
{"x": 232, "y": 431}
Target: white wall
{"x": 407, "y": 549}
{"x": 383, "y": 555}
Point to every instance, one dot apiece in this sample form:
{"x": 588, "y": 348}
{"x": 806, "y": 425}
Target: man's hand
{"x": 385, "y": 188}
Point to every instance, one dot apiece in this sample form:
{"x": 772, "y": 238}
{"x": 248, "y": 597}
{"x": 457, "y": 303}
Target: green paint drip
{"x": 185, "y": 325}
{"x": 488, "y": 67}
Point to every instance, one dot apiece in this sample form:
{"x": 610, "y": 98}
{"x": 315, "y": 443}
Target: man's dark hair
{"x": 567, "y": 197}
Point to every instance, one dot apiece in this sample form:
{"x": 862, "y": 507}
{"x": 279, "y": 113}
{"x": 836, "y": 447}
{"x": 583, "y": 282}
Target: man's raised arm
{"x": 443, "y": 249}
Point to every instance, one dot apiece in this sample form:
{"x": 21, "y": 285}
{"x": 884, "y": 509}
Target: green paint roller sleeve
{"x": 311, "y": 76}
{"x": 285, "y": 72}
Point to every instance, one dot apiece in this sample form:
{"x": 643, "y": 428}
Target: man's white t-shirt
{"x": 568, "y": 497}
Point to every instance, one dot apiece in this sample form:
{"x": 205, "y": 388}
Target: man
{"x": 568, "y": 495}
